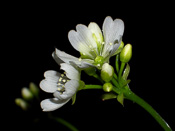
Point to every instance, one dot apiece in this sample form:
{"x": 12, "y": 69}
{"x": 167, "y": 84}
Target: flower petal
{"x": 78, "y": 43}
{"x": 52, "y": 104}
{"x": 113, "y": 31}
{"x": 49, "y": 84}
{"x": 95, "y": 29}
{"x": 71, "y": 71}
{"x": 69, "y": 58}
{"x": 56, "y": 58}
{"x": 86, "y": 36}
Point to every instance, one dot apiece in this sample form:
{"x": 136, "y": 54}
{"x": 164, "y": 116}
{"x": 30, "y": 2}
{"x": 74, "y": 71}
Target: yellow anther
{"x": 60, "y": 79}
{"x": 79, "y": 59}
{"x": 62, "y": 75}
{"x": 110, "y": 43}
{"x": 64, "y": 80}
{"x": 59, "y": 89}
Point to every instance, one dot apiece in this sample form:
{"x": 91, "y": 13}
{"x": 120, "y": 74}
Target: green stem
{"x": 117, "y": 63}
{"x": 121, "y": 70}
{"x": 133, "y": 97}
{"x": 93, "y": 87}
{"x": 63, "y": 122}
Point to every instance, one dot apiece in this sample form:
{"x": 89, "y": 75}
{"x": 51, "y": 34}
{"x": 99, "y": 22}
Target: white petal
{"x": 49, "y": 84}
{"x": 95, "y": 29}
{"x": 84, "y": 63}
{"x": 52, "y": 104}
{"x": 71, "y": 87}
{"x": 113, "y": 31}
{"x": 56, "y": 58}
{"x": 66, "y": 57}
{"x": 71, "y": 71}
{"x": 86, "y": 36}
{"x": 52, "y": 75}
{"x": 78, "y": 43}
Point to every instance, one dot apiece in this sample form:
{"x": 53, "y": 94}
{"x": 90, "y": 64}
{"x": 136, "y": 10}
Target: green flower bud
{"x": 126, "y": 53}
{"x": 21, "y": 103}
{"x": 107, "y": 87}
{"x": 107, "y": 72}
{"x": 34, "y": 89}
{"x": 26, "y": 94}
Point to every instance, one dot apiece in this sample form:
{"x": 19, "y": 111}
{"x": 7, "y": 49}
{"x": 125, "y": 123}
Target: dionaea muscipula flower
{"x": 95, "y": 46}
{"x": 63, "y": 86}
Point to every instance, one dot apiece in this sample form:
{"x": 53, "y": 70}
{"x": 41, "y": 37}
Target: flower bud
{"x": 26, "y": 94}
{"x": 107, "y": 72}
{"x": 21, "y": 103}
{"x": 126, "y": 53}
{"x": 107, "y": 87}
{"x": 34, "y": 89}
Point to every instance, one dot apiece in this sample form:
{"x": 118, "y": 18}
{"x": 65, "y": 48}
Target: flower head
{"x": 94, "y": 45}
{"x": 63, "y": 86}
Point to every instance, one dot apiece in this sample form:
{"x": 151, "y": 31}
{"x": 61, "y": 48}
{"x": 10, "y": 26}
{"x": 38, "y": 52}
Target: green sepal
{"x": 126, "y": 72}
{"x": 108, "y": 96}
{"x": 120, "y": 99}
{"x": 74, "y": 98}
{"x": 126, "y": 83}
{"x": 81, "y": 85}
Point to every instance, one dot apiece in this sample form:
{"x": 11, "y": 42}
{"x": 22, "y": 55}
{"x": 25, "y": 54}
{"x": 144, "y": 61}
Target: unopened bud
{"x": 107, "y": 87}
{"x": 126, "y": 53}
{"x": 21, "y": 103}
{"x": 107, "y": 72}
{"x": 26, "y": 94}
{"x": 34, "y": 88}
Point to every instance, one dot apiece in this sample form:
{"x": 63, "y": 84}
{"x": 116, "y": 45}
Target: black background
{"x": 33, "y": 31}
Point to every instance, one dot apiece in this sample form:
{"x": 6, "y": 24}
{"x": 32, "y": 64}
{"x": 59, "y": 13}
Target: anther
{"x": 60, "y": 79}
{"x": 64, "y": 80}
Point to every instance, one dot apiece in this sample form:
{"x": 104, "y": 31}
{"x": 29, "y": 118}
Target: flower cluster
{"x": 96, "y": 46}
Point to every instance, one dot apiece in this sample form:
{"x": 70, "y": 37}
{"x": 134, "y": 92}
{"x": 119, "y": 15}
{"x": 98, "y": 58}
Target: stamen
{"x": 64, "y": 80}
{"x": 98, "y": 65}
{"x": 110, "y": 44}
{"x": 90, "y": 46}
{"x": 62, "y": 75}
{"x": 79, "y": 59}
{"x": 60, "y": 78}
{"x": 59, "y": 89}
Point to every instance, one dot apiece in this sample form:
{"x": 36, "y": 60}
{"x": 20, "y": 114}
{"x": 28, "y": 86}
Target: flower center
{"x": 99, "y": 60}
{"x": 61, "y": 83}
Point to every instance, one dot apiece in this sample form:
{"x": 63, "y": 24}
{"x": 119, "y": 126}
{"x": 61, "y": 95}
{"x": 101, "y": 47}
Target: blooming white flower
{"x": 63, "y": 86}
{"x": 94, "y": 46}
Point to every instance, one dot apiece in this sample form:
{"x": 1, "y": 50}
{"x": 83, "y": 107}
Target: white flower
{"x": 63, "y": 86}
{"x": 94, "y": 46}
